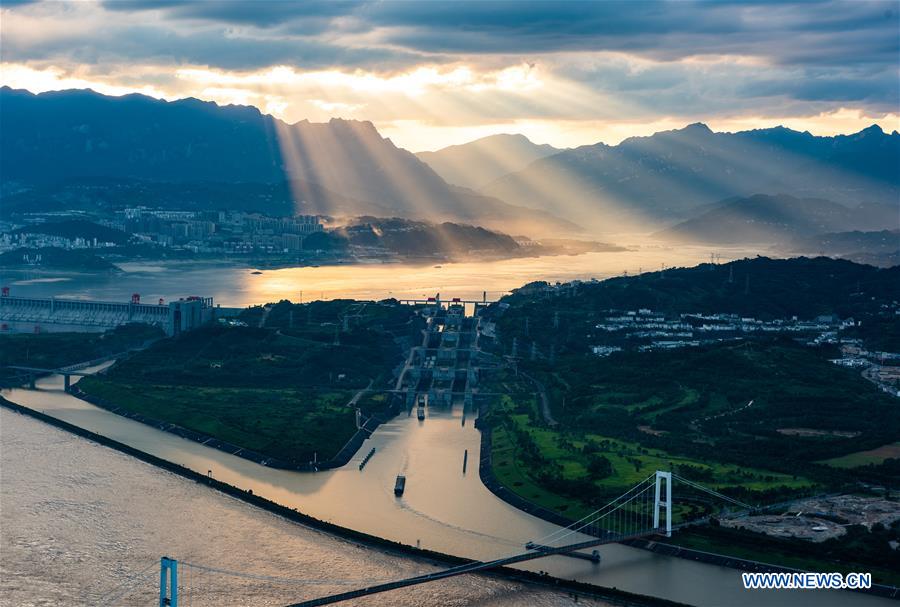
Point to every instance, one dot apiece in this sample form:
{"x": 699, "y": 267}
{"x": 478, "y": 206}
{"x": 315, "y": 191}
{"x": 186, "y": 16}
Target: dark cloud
{"x": 803, "y": 32}
{"x": 804, "y": 52}
{"x": 262, "y": 13}
{"x": 213, "y": 45}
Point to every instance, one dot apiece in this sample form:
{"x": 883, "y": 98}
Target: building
{"x": 188, "y": 314}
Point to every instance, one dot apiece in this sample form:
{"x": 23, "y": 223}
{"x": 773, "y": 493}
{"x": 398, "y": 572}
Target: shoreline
{"x": 612, "y": 595}
{"x": 262, "y": 263}
{"x": 489, "y": 480}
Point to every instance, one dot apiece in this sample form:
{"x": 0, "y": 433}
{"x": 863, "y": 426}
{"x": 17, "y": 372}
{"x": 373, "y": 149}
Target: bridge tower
{"x": 667, "y": 503}
{"x": 168, "y": 582}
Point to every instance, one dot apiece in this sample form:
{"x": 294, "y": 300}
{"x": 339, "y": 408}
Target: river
{"x": 442, "y": 508}
{"x": 80, "y": 519}
{"x": 237, "y": 286}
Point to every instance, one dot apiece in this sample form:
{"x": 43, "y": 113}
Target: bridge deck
{"x": 472, "y": 567}
{"x": 54, "y": 371}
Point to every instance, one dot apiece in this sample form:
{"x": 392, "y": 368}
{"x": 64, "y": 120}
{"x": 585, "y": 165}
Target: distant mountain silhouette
{"x": 96, "y": 193}
{"x": 778, "y": 219}
{"x": 667, "y": 176}
{"x": 478, "y": 163}
{"x": 880, "y": 248}
{"x": 57, "y": 136}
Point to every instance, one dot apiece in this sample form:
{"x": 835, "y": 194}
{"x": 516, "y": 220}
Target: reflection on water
{"x": 78, "y": 519}
{"x": 233, "y": 286}
{"x": 442, "y": 508}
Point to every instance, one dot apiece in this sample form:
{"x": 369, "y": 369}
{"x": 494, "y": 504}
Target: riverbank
{"x": 608, "y": 594}
{"x": 344, "y": 455}
{"x": 489, "y": 479}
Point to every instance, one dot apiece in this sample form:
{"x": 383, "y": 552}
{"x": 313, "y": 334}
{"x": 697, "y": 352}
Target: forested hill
{"x": 761, "y": 287}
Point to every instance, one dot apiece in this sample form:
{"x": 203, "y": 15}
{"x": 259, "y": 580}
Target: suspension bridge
{"x": 645, "y": 510}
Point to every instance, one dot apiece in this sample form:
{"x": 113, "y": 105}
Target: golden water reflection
{"x": 467, "y": 280}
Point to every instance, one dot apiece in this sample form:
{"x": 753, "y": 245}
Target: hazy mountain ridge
{"x": 73, "y": 134}
{"x": 477, "y": 163}
{"x": 669, "y": 175}
{"x": 878, "y": 248}
{"x": 778, "y": 219}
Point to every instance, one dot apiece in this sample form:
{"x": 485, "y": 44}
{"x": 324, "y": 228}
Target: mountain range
{"x": 669, "y": 176}
{"x": 53, "y": 137}
{"x": 477, "y": 163}
{"x": 73, "y": 149}
{"x": 765, "y": 219}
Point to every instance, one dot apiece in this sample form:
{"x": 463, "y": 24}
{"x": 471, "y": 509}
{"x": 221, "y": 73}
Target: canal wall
{"x": 612, "y": 595}
{"x": 486, "y": 473}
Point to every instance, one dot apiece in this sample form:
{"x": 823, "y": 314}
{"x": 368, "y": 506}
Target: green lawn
{"x": 523, "y": 467}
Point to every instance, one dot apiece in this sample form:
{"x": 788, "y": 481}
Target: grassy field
{"x": 289, "y": 424}
{"x": 864, "y": 458}
{"x": 280, "y": 389}
{"x": 526, "y": 453}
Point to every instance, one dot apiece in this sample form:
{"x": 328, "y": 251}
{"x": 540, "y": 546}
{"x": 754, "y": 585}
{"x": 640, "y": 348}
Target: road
{"x": 545, "y": 401}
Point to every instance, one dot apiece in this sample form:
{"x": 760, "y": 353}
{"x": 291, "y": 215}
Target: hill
{"x": 478, "y": 163}
{"x": 281, "y": 388}
{"x": 777, "y": 219}
{"x": 406, "y": 237}
{"x": 62, "y": 135}
{"x": 107, "y": 194}
{"x": 881, "y": 248}
{"x": 760, "y": 287}
{"x": 76, "y": 228}
{"x": 668, "y": 176}
{"x": 57, "y": 259}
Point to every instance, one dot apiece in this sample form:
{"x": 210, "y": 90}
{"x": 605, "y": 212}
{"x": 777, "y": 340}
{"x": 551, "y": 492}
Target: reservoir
{"x": 442, "y": 508}
{"x": 231, "y": 285}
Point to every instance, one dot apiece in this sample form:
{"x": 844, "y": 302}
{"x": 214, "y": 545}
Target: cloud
{"x": 480, "y": 66}
{"x": 801, "y": 32}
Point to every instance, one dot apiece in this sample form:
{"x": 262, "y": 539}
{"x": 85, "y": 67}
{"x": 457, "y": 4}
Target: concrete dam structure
{"x": 54, "y": 314}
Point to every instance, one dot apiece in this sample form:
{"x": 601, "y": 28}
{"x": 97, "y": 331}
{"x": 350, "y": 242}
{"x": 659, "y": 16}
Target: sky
{"x": 430, "y": 74}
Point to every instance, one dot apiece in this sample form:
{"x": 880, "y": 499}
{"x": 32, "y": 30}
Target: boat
{"x": 420, "y": 413}
{"x": 256, "y": 272}
{"x": 400, "y": 485}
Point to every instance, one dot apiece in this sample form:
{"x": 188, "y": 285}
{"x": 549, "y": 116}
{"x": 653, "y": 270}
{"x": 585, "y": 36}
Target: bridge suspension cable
{"x": 722, "y": 496}
{"x": 588, "y": 520}
{"x": 126, "y": 587}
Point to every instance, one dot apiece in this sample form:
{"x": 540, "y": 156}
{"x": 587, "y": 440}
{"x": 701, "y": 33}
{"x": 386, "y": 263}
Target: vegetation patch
{"x": 290, "y": 424}
{"x": 864, "y": 458}
{"x": 280, "y": 387}
{"x": 54, "y": 350}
